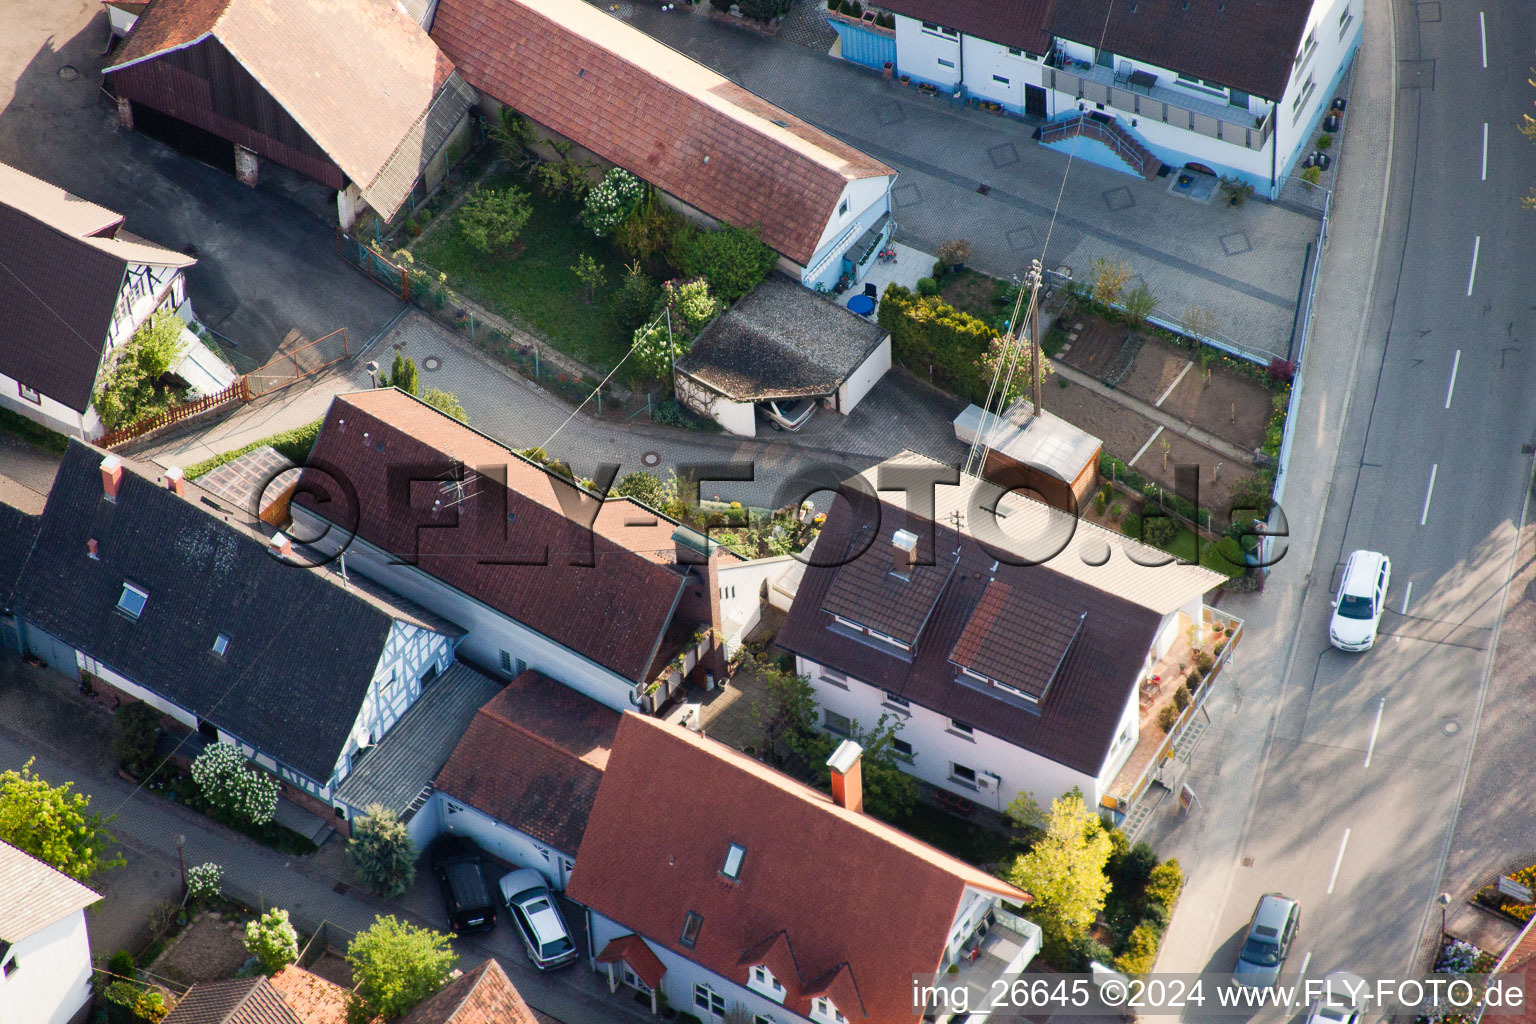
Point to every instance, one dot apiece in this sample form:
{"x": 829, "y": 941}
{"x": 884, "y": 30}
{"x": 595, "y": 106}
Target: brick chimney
{"x": 111, "y": 476}
{"x": 91, "y": 548}
{"x": 847, "y": 777}
{"x": 176, "y": 481}
{"x": 903, "y": 553}
{"x": 281, "y": 546}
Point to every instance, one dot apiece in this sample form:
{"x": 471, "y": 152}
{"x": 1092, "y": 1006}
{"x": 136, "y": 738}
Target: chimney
{"x": 91, "y": 549}
{"x": 281, "y": 546}
{"x": 176, "y": 481}
{"x": 847, "y": 778}
{"x": 903, "y": 553}
{"x": 111, "y": 476}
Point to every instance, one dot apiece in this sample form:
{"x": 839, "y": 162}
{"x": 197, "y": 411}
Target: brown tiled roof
{"x": 837, "y": 985}
{"x": 62, "y": 263}
{"x": 631, "y": 949}
{"x": 313, "y": 999}
{"x": 484, "y": 995}
{"x": 358, "y": 76}
{"x": 34, "y": 895}
{"x": 533, "y": 758}
{"x": 1018, "y": 637}
{"x": 844, "y": 888}
{"x": 636, "y": 102}
{"x": 1074, "y": 725}
{"x": 613, "y": 611}
{"x": 240, "y": 1001}
{"x": 1520, "y": 960}
{"x": 1020, "y": 24}
{"x": 869, "y": 592}
{"x": 1243, "y": 44}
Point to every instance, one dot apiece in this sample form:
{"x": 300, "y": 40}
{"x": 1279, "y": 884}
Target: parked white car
{"x": 1361, "y": 599}
{"x": 537, "y": 919}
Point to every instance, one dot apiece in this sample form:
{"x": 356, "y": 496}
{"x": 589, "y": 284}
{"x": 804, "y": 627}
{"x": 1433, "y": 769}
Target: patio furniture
{"x": 954, "y": 802}
{"x": 871, "y": 290}
{"x": 1143, "y": 80}
{"x": 862, "y": 305}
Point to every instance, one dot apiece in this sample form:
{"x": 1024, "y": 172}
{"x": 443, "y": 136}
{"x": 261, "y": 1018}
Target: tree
{"x": 445, "y": 401}
{"x": 513, "y": 134}
{"x": 889, "y": 792}
{"x": 135, "y": 730}
{"x": 381, "y": 853}
{"x": 232, "y": 787}
{"x": 1110, "y": 276}
{"x": 403, "y": 375}
{"x": 204, "y": 881}
{"x": 1000, "y": 353}
{"x": 53, "y": 824}
{"x": 634, "y": 300}
{"x": 651, "y": 227}
{"x": 731, "y": 259}
{"x": 590, "y": 275}
{"x": 1199, "y": 323}
{"x": 646, "y": 488}
{"x": 491, "y": 219}
{"x": 1528, "y": 129}
{"x": 1139, "y": 304}
{"x": 1064, "y": 871}
{"x": 395, "y": 966}
{"x": 132, "y": 388}
{"x": 610, "y": 200}
{"x": 272, "y": 940}
{"x": 784, "y": 712}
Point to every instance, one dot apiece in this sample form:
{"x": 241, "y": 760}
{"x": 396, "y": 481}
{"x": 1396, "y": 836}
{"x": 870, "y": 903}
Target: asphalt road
{"x": 1366, "y": 761}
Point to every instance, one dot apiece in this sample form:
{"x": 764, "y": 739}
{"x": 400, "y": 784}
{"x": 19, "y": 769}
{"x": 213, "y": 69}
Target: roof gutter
{"x": 157, "y": 53}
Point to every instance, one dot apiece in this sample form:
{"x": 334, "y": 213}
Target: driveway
{"x": 977, "y": 175}
{"x": 267, "y": 268}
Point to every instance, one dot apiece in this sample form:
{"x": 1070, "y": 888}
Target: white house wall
{"x": 50, "y": 413}
{"x": 863, "y": 379}
{"x": 741, "y": 594}
{"x": 490, "y": 632}
{"x": 1338, "y": 25}
{"x": 408, "y": 652}
{"x": 50, "y": 979}
{"x": 927, "y": 55}
{"x": 935, "y": 746}
{"x": 867, "y": 199}
{"x": 501, "y": 840}
{"x": 995, "y": 72}
{"x": 86, "y": 663}
{"x": 739, "y": 418}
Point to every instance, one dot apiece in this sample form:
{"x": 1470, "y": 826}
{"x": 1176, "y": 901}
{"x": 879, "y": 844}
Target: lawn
{"x": 536, "y": 287}
{"x": 975, "y": 293}
{"x": 960, "y": 838}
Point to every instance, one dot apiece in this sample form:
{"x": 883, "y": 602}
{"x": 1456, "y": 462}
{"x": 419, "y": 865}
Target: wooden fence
{"x": 236, "y": 392}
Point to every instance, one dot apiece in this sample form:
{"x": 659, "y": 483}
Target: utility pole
{"x": 1032, "y": 278}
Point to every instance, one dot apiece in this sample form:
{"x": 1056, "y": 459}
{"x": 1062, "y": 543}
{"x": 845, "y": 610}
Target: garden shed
{"x": 781, "y": 342}
{"x": 1044, "y": 453}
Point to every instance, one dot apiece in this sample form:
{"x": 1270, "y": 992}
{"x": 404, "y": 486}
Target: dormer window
{"x": 762, "y": 981}
{"x": 221, "y": 644}
{"x": 823, "y": 1012}
{"x": 733, "y": 856}
{"x": 132, "y": 600}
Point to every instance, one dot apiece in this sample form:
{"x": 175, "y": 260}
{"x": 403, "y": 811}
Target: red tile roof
{"x": 642, "y": 105}
{"x": 484, "y": 995}
{"x": 533, "y": 758}
{"x": 613, "y": 610}
{"x": 861, "y": 905}
{"x": 1520, "y": 960}
{"x": 313, "y": 999}
{"x": 631, "y": 949}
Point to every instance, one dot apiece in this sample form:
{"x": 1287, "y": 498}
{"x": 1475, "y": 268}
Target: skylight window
{"x": 221, "y": 644}
{"x": 733, "y": 858}
{"x": 691, "y": 925}
{"x": 132, "y": 601}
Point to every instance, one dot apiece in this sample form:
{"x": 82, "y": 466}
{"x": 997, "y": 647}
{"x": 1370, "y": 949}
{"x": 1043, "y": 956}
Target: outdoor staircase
{"x": 1121, "y": 141}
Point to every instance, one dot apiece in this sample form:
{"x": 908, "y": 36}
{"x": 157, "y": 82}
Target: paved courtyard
{"x": 969, "y": 173}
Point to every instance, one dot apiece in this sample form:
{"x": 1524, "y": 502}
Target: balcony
{"x": 1002, "y": 951}
{"x": 1178, "y": 107}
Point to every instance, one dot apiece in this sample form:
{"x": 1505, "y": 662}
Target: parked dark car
{"x": 460, "y": 869}
{"x": 1268, "y": 940}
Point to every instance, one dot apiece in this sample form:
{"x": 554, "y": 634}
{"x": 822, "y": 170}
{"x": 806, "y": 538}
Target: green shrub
{"x": 610, "y": 201}
{"x": 1140, "y": 951}
{"x": 133, "y": 387}
{"x": 1159, "y": 530}
{"x": 272, "y": 940}
{"x": 403, "y": 375}
{"x": 135, "y": 730}
{"x": 938, "y": 342}
{"x": 1181, "y": 697}
{"x": 1225, "y": 556}
{"x": 762, "y": 10}
{"x": 381, "y": 852}
{"x": 445, "y": 401}
{"x": 1155, "y": 916}
{"x": 731, "y": 259}
{"x": 1136, "y": 867}
{"x": 120, "y": 964}
{"x": 1167, "y": 717}
{"x": 234, "y": 789}
{"x": 1253, "y": 495}
{"x": 1086, "y": 950}
{"x": 927, "y": 286}
{"x": 647, "y": 488}
{"x": 1117, "y": 510}
{"x": 1192, "y": 681}
{"x": 1099, "y": 503}
{"x": 1131, "y": 525}
{"x": 491, "y": 219}
{"x": 1324, "y": 141}
{"x": 1164, "y": 884}
{"x": 1311, "y": 175}
{"x": 634, "y": 299}
{"x": 940, "y": 268}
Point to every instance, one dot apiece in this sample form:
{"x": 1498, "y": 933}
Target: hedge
{"x": 937, "y": 342}
{"x": 293, "y": 445}
{"x": 1172, "y": 501}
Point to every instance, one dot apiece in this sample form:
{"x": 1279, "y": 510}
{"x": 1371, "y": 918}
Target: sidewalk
{"x": 69, "y": 738}
{"x": 1225, "y": 770}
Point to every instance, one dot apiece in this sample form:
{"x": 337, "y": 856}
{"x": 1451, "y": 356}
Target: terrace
{"x": 1131, "y": 93}
{"x": 1000, "y": 949}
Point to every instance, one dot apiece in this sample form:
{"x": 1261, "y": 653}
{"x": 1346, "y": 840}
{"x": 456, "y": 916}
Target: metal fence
{"x": 383, "y": 271}
{"x": 285, "y": 369}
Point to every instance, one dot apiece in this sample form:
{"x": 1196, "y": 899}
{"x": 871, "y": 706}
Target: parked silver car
{"x": 1340, "y": 1001}
{"x": 1274, "y": 925}
{"x": 789, "y": 413}
{"x": 536, "y": 916}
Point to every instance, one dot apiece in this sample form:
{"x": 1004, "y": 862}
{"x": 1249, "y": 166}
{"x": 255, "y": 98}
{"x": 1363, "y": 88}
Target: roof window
{"x": 691, "y": 925}
{"x": 132, "y": 600}
{"x": 733, "y": 856}
{"x": 221, "y": 644}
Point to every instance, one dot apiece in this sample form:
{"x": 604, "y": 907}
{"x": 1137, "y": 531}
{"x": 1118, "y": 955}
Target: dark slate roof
{"x": 240, "y": 1001}
{"x": 302, "y": 650}
{"x": 1020, "y": 24}
{"x": 1243, "y": 44}
{"x": 1074, "y": 725}
{"x": 781, "y": 341}
{"x": 1018, "y": 638}
{"x": 17, "y": 532}
{"x": 400, "y": 768}
{"x": 533, "y": 758}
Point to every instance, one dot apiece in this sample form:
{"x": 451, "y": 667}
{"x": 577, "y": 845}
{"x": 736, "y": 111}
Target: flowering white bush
{"x": 203, "y": 881}
{"x": 226, "y": 782}
{"x": 691, "y": 304}
{"x": 610, "y": 201}
{"x": 273, "y": 941}
{"x": 655, "y": 347}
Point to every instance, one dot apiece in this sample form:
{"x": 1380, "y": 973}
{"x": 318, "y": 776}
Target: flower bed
{"x": 175, "y": 784}
{"x": 1494, "y": 900}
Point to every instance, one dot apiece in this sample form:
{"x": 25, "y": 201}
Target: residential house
{"x": 349, "y": 93}
{"x": 1007, "y": 637}
{"x": 714, "y": 149}
{"x": 607, "y": 597}
{"x": 720, "y": 883}
{"x": 76, "y": 286}
{"x": 780, "y": 342}
{"x": 137, "y": 588}
{"x": 1518, "y": 965}
{"x": 17, "y": 532}
{"x": 484, "y": 995}
{"x": 291, "y": 996}
{"x": 45, "y": 953}
{"x": 522, "y": 780}
{"x": 1234, "y": 89}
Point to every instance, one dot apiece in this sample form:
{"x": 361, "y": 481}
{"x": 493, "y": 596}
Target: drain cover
{"x": 1528, "y": 449}
{"x": 431, "y": 363}
{"x": 651, "y": 458}
{"x": 68, "y": 73}
{"x": 1247, "y": 862}
{"x": 1450, "y": 726}
{"x": 984, "y": 189}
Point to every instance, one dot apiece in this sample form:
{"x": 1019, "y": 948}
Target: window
{"x": 1237, "y": 98}
{"x": 221, "y": 644}
{"x": 733, "y": 857}
{"x": 1346, "y": 19}
{"x": 960, "y": 727}
{"x": 939, "y": 30}
{"x": 1191, "y": 82}
{"x": 1105, "y": 59}
{"x": 1015, "y": 53}
{"x": 708, "y": 1000}
{"x": 1000, "y": 78}
{"x": 633, "y": 981}
{"x": 960, "y": 773}
{"x": 10, "y": 967}
{"x": 512, "y": 666}
{"x": 842, "y": 208}
{"x": 763, "y": 1018}
{"x": 946, "y": 63}
{"x": 823, "y": 1010}
{"x": 762, "y": 980}
{"x": 691, "y": 925}
{"x": 897, "y": 700}
{"x": 1299, "y": 104}
{"x": 837, "y": 723}
{"x": 30, "y": 394}
{"x": 131, "y": 603}
{"x": 903, "y": 750}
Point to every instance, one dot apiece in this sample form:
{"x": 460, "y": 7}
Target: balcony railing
{"x": 1007, "y": 947}
{"x": 1160, "y": 103}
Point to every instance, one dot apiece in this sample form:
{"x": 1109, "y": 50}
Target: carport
{"x": 782, "y": 341}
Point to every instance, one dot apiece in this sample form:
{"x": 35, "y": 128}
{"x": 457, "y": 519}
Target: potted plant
{"x": 906, "y": 79}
